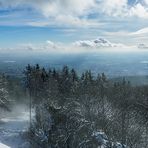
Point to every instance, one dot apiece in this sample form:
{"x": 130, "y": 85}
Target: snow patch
{"x": 13, "y": 127}
{"x": 3, "y": 145}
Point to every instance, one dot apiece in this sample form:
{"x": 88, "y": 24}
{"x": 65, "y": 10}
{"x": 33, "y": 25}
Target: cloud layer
{"x": 122, "y": 21}
{"x": 81, "y": 46}
{"x": 123, "y": 9}
{"x": 71, "y": 12}
{"x": 75, "y": 12}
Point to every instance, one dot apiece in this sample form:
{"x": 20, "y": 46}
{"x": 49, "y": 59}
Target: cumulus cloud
{"x": 51, "y": 44}
{"x": 114, "y": 7}
{"x": 139, "y": 10}
{"x": 142, "y": 46}
{"x": 97, "y": 43}
{"x": 122, "y": 8}
{"x": 82, "y": 46}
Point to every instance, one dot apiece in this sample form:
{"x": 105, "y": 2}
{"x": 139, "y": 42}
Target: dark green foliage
{"x": 69, "y": 108}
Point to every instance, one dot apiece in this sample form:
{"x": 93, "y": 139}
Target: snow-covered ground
{"x": 3, "y": 145}
{"x": 13, "y": 125}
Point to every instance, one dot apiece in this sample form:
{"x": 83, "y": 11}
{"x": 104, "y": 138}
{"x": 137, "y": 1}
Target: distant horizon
{"x": 113, "y": 64}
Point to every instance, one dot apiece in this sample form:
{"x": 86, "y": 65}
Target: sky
{"x": 59, "y": 23}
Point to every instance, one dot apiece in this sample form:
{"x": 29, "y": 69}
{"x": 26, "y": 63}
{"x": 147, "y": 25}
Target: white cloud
{"x": 140, "y": 32}
{"x": 114, "y": 7}
{"x": 139, "y": 11}
{"x": 51, "y": 44}
{"x": 70, "y": 7}
{"x": 97, "y": 43}
{"x": 47, "y": 46}
{"x": 67, "y": 21}
{"x": 75, "y": 12}
{"x": 128, "y": 37}
{"x": 71, "y": 12}
{"x": 83, "y": 46}
{"x": 146, "y": 2}
{"x": 75, "y": 21}
{"x": 122, "y": 8}
{"x": 143, "y": 46}
{"x": 77, "y": 8}
{"x": 27, "y": 46}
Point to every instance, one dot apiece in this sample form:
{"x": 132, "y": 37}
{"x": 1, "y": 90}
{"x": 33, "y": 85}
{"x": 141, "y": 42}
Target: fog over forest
{"x": 61, "y": 108}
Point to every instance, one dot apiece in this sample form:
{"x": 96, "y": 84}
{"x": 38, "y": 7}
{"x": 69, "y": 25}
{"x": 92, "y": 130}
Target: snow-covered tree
{"x": 71, "y": 109}
{"x": 4, "y": 97}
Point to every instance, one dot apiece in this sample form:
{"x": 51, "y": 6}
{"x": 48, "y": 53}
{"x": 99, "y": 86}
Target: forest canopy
{"x": 74, "y": 110}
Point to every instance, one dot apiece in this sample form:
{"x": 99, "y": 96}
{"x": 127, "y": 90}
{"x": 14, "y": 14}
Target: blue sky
{"x": 35, "y": 22}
